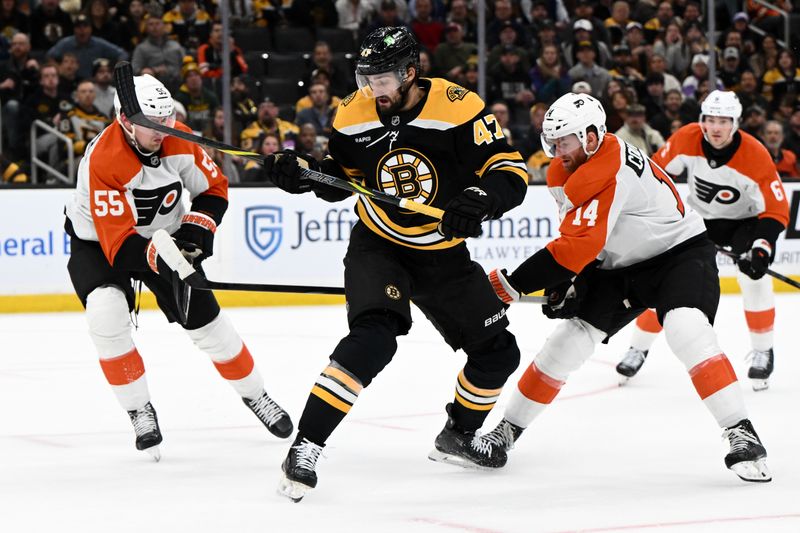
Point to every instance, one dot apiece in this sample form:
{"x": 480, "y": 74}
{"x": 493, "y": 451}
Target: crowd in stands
{"x": 292, "y": 63}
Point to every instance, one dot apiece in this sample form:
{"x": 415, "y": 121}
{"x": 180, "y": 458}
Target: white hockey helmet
{"x": 153, "y": 97}
{"x": 573, "y": 114}
{"x": 722, "y": 104}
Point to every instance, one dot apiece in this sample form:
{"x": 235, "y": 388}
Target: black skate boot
{"x": 299, "y": 470}
{"x": 631, "y": 364}
{"x": 148, "y": 434}
{"x": 467, "y": 449}
{"x": 271, "y": 414}
{"x": 747, "y": 457}
{"x": 761, "y": 364}
{"x": 505, "y": 434}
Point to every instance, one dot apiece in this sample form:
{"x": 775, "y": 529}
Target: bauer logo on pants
{"x": 263, "y": 229}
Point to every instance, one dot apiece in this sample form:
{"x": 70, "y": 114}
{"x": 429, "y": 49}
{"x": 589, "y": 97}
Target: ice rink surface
{"x": 647, "y": 456}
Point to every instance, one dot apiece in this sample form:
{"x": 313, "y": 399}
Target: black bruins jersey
{"x": 430, "y": 153}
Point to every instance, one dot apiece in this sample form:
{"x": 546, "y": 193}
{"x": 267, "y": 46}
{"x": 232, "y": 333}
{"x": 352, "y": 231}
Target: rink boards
{"x": 269, "y": 236}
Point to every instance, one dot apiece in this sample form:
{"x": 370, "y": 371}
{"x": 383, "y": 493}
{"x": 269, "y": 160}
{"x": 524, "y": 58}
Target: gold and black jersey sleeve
{"x": 431, "y": 153}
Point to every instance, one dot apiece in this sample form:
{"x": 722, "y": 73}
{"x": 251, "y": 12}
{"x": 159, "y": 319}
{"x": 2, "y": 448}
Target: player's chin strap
{"x": 131, "y": 134}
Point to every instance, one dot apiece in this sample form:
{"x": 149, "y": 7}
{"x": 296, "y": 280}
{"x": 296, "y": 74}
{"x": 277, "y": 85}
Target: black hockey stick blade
{"x": 123, "y": 76}
{"x": 776, "y": 275}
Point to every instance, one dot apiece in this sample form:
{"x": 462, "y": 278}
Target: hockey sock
{"x": 535, "y": 391}
{"x": 472, "y": 404}
{"x": 125, "y": 374}
{"x": 646, "y": 330}
{"x": 759, "y": 310}
{"x": 331, "y": 398}
{"x": 716, "y": 384}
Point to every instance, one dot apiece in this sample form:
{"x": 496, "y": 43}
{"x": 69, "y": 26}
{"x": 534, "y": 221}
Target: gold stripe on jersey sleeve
{"x": 518, "y": 171}
{"x": 450, "y": 103}
{"x": 415, "y": 230}
{"x": 360, "y": 210}
{"x": 511, "y": 157}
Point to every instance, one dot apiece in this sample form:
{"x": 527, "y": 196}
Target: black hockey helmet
{"x": 387, "y": 49}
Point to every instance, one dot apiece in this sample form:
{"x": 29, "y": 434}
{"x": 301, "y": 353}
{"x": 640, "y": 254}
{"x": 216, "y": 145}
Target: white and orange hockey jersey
{"x": 742, "y": 184}
{"x": 120, "y": 193}
{"x": 619, "y": 208}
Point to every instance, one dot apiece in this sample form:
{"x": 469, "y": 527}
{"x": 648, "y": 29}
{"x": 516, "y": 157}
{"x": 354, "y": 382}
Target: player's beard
{"x": 400, "y": 102}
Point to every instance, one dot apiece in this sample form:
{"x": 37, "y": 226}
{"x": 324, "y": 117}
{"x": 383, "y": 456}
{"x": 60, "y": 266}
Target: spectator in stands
{"x": 786, "y": 107}
{"x": 767, "y": 58}
{"x": 582, "y": 32}
{"x": 674, "y": 50}
{"x": 785, "y": 160}
{"x": 792, "y": 141}
{"x": 640, "y": 49}
{"x": 427, "y": 29}
{"x": 160, "y": 54}
{"x": 657, "y": 64}
{"x": 452, "y": 55}
{"x": 244, "y": 107}
{"x": 699, "y": 74}
{"x": 692, "y": 13}
{"x": 12, "y": 20}
{"x": 503, "y": 118}
{"x": 322, "y": 59}
{"x": 769, "y": 20}
{"x": 49, "y": 24}
{"x": 584, "y": 10}
{"x": 84, "y": 121}
{"x": 48, "y": 104}
{"x": 267, "y": 121}
{"x": 270, "y": 13}
{"x": 509, "y": 82}
{"x": 509, "y": 39}
{"x": 751, "y": 41}
{"x": 656, "y": 27}
{"x": 198, "y": 101}
{"x": 619, "y": 19}
{"x": 11, "y": 172}
{"x": 461, "y": 15}
{"x": 783, "y": 79}
{"x": 549, "y": 76}
{"x": 653, "y": 99}
{"x": 696, "y": 39}
{"x": 318, "y": 76}
{"x": 753, "y": 120}
{"x": 209, "y": 56}
{"x": 189, "y": 24}
{"x": 531, "y": 141}
{"x": 268, "y": 144}
{"x": 503, "y": 13}
{"x": 638, "y": 133}
{"x": 308, "y": 142}
{"x": 731, "y": 69}
{"x": 625, "y": 68}
{"x": 617, "y": 109}
{"x": 132, "y": 25}
{"x": 103, "y": 25}
{"x": 587, "y": 70}
{"x": 68, "y": 73}
{"x": 425, "y": 64}
{"x": 748, "y": 92}
{"x": 320, "y": 114}
{"x": 86, "y": 47}
{"x": 19, "y": 77}
{"x": 388, "y": 14}
{"x": 102, "y": 76}
{"x": 671, "y": 112}
{"x": 470, "y": 80}
{"x": 353, "y": 14}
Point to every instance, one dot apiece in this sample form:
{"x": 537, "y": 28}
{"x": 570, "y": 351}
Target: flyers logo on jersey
{"x": 408, "y": 174}
{"x": 708, "y": 192}
{"x": 152, "y": 202}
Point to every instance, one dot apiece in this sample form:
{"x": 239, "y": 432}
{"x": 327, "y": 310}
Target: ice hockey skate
{"x": 747, "y": 456}
{"x": 467, "y": 449}
{"x": 761, "y": 365}
{"x": 505, "y": 434}
{"x": 271, "y": 414}
{"x": 631, "y": 364}
{"x": 299, "y": 474}
{"x": 148, "y": 434}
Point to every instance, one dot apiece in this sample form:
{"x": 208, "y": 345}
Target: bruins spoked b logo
{"x": 392, "y": 292}
{"x": 408, "y": 174}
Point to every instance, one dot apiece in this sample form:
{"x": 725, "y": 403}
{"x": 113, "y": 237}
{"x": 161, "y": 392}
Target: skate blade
{"x": 154, "y": 452}
{"x": 450, "y": 459}
{"x": 753, "y": 471}
{"x": 623, "y": 380}
{"x": 292, "y": 489}
{"x": 759, "y": 384}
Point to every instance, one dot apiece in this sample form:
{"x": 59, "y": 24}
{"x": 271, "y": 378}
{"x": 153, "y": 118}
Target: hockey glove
{"x": 563, "y": 300}
{"x": 502, "y": 286}
{"x": 167, "y": 260}
{"x": 195, "y": 237}
{"x": 465, "y": 213}
{"x": 755, "y": 262}
{"x": 284, "y": 170}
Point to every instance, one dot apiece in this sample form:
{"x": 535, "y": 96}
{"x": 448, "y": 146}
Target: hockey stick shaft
{"x": 123, "y": 76}
{"x": 776, "y": 275}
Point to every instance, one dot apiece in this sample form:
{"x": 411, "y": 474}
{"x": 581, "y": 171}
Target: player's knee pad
{"x": 567, "y": 348}
{"x": 370, "y": 345}
{"x": 109, "y": 321}
{"x": 690, "y": 335}
{"x": 757, "y": 294}
{"x": 218, "y": 338}
{"x": 491, "y": 361}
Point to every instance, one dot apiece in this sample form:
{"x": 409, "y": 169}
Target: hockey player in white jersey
{"x": 735, "y": 187}
{"x": 627, "y": 243}
{"x": 130, "y": 187}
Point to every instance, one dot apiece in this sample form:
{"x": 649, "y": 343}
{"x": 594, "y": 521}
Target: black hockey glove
{"x": 195, "y": 237}
{"x": 755, "y": 262}
{"x": 284, "y": 171}
{"x": 564, "y": 299}
{"x": 181, "y": 291}
{"x": 464, "y": 214}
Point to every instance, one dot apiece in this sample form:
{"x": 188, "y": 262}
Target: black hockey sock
{"x": 330, "y": 400}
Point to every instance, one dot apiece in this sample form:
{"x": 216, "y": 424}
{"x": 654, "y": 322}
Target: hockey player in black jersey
{"x": 434, "y": 142}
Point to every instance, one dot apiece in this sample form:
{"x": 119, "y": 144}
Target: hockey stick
{"x": 781, "y": 277}
{"x": 123, "y": 76}
{"x": 203, "y": 284}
